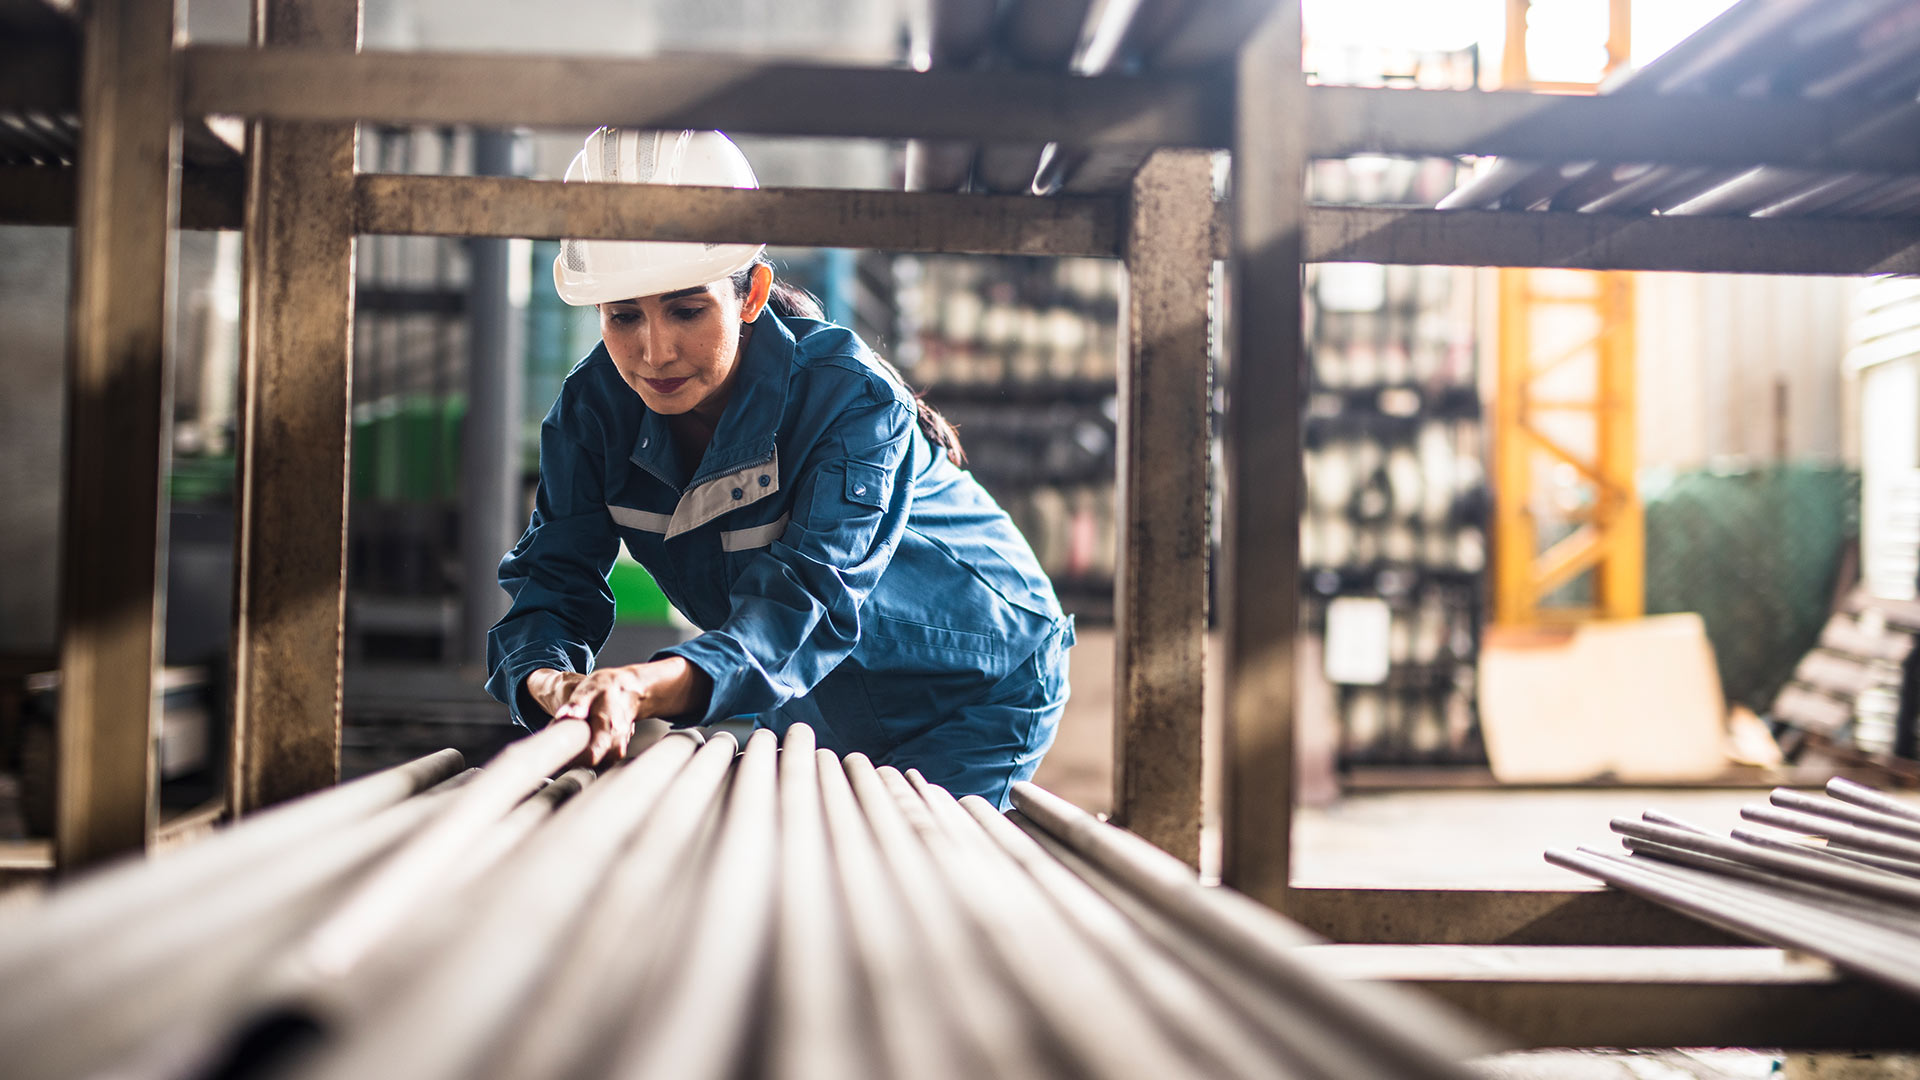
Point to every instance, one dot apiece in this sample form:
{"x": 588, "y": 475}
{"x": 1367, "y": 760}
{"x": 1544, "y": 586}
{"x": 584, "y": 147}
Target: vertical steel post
{"x": 114, "y": 534}
{"x": 1261, "y": 558}
{"x": 290, "y": 558}
{"x": 491, "y": 513}
{"x": 1160, "y": 592}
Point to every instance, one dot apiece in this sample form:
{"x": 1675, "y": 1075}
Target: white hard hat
{"x": 601, "y": 271}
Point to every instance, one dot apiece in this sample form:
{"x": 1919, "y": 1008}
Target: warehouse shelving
{"x": 304, "y": 88}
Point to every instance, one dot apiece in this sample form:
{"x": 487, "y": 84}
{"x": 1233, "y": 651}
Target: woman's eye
{"x": 622, "y": 318}
{"x": 688, "y": 314}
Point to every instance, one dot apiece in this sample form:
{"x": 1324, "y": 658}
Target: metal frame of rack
{"x": 301, "y": 203}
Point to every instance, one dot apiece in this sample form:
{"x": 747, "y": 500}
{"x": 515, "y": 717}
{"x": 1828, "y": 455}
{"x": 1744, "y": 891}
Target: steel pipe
{"x": 699, "y": 913}
{"x": 1861, "y": 795}
{"x": 96, "y": 902}
{"x": 1859, "y": 908}
{"x": 1835, "y": 832}
{"x": 1788, "y": 799}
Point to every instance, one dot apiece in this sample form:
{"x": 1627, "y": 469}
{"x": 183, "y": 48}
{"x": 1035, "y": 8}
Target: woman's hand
{"x": 550, "y": 689}
{"x": 611, "y": 699}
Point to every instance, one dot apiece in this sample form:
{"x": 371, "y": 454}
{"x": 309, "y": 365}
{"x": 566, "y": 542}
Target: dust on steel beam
{"x": 492, "y": 90}
{"x": 800, "y": 217}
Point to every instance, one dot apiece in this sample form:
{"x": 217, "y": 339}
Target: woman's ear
{"x": 757, "y": 293}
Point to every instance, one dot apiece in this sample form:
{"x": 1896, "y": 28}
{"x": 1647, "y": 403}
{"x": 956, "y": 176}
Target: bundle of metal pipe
{"x": 698, "y": 910}
{"x": 1865, "y": 52}
{"x": 1837, "y": 876}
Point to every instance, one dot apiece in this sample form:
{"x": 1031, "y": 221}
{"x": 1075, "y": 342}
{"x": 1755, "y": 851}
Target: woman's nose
{"x": 642, "y": 350}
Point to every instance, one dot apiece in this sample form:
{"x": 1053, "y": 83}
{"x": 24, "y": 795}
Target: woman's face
{"x": 678, "y": 350}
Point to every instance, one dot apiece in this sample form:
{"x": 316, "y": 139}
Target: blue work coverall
{"x": 845, "y": 573}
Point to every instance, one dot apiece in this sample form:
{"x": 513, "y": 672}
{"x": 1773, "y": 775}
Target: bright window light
{"x": 1421, "y": 25}
{"x": 1567, "y": 40}
{"x": 1659, "y": 25}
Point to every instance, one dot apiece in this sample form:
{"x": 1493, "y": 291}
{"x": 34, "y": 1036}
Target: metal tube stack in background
{"x": 699, "y": 910}
{"x": 1838, "y": 877}
{"x": 1866, "y": 53}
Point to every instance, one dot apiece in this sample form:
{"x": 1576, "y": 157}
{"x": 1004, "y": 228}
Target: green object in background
{"x": 200, "y": 479}
{"x": 637, "y": 599}
{"x": 1756, "y": 553}
{"x": 408, "y": 450}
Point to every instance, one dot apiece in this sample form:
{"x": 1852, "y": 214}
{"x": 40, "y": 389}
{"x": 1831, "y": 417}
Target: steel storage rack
{"x": 303, "y": 86}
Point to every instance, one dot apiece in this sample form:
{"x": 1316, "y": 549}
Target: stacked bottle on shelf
{"x": 1020, "y": 354}
{"x": 1393, "y": 536}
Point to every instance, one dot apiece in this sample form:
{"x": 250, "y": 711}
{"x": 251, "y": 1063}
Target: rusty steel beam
{"x": 729, "y": 93}
{"x": 118, "y": 400}
{"x": 1160, "y": 590}
{"x": 1642, "y": 997}
{"x": 1260, "y": 571}
{"x": 1495, "y": 917}
{"x": 798, "y": 217}
{"x": 291, "y": 491}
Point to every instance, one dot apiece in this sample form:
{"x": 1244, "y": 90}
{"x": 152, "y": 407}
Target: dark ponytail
{"x": 790, "y": 301}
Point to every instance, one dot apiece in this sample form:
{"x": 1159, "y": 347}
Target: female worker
{"x": 791, "y": 498}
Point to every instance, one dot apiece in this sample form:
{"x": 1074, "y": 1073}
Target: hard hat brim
{"x": 653, "y": 268}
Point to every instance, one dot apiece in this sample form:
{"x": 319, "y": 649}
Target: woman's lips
{"x": 664, "y": 386}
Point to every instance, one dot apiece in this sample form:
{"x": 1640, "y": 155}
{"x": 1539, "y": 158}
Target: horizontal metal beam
{"x": 1611, "y": 241}
{"x": 1676, "y": 129}
{"x": 1592, "y": 916}
{"x": 1021, "y": 225}
{"x": 1644, "y": 997}
{"x": 1094, "y": 111}
{"x": 799, "y": 217}
{"x": 44, "y": 195}
{"x": 733, "y": 94}
{"x": 1090, "y": 225}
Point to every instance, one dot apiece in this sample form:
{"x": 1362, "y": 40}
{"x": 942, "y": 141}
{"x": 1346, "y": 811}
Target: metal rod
{"x": 1006, "y": 1040}
{"x": 1258, "y": 939}
{"x": 1835, "y": 832}
{"x": 1788, "y": 799}
{"x": 1312, "y": 1048}
{"x": 1076, "y": 993}
{"x": 817, "y": 1021}
{"x": 1751, "y": 917}
{"x": 1188, "y": 1008}
{"x": 1804, "y": 867}
{"x": 98, "y": 902}
{"x": 703, "y": 1017}
{"x": 1852, "y": 858}
{"x": 381, "y": 902}
{"x": 1825, "y": 899}
{"x": 132, "y": 976}
{"x": 1861, "y": 795}
{"x": 577, "y": 1015}
{"x": 472, "y": 992}
{"x": 890, "y": 950}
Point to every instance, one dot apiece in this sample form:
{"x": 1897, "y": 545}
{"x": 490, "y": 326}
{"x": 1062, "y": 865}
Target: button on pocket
{"x": 867, "y": 484}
